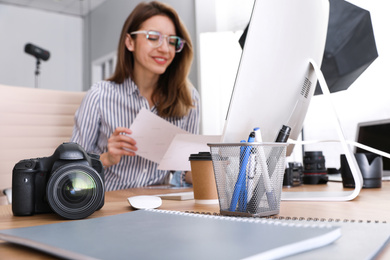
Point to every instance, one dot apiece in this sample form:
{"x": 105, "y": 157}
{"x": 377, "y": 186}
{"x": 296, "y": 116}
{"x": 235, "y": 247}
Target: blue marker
{"x": 242, "y": 149}
{"x": 241, "y": 195}
{"x": 240, "y": 192}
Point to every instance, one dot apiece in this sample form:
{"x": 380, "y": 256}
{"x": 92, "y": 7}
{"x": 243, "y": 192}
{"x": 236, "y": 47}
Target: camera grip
{"x": 23, "y": 192}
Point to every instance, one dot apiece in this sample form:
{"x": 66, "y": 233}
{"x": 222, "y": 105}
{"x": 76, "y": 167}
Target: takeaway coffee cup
{"x": 203, "y": 180}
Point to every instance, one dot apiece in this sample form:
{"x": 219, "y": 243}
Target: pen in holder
{"x": 249, "y": 177}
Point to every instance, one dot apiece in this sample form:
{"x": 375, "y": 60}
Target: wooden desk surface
{"x": 370, "y": 205}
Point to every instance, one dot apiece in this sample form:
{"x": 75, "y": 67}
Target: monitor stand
{"x": 357, "y": 176}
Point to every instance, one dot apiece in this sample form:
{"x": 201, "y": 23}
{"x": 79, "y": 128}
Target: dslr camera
{"x": 69, "y": 183}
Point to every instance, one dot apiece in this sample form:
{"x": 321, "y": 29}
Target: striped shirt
{"x": 108, "y": 105}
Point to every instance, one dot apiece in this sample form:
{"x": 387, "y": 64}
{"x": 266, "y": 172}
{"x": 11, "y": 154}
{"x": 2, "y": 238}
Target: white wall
{"x": 218, "y": 67}
{"x": 57, "y": 33}
{"x": 218, "y": 30}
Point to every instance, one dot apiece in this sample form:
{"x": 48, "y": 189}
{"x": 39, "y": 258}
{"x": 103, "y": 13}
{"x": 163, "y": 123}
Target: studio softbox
{"x": 350, "y": 45}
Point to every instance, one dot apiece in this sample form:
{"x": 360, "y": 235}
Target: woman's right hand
{"x": 119, "y": 144}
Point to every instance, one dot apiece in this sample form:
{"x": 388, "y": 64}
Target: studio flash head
{"x": 37, "y": 52}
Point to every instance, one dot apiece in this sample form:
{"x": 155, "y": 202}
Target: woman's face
{"x": 152, "y": 61}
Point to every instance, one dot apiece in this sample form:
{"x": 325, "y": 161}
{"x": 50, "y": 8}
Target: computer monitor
{"x": 275, "y": 81}
{"x": 276, "y": 78}
{"x": 375, "y": 134}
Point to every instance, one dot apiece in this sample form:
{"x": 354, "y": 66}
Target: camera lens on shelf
{"x": 314, "y": 171}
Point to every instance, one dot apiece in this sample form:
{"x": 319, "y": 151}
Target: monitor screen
{"x": 275, "y": 81}
{"x": 375, "y": 134}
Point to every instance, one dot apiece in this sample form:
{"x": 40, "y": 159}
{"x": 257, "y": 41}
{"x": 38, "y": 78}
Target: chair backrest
{"x": 33, "y": 122}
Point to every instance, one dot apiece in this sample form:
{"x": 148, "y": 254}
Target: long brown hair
{"x": 173, "y": 93}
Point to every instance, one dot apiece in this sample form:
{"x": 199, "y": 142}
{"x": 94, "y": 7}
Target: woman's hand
{"x": 188, "y": 177}
{"x": 119, "y": 144}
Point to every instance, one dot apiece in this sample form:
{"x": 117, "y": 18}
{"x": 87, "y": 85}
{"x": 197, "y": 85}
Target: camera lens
{"x": 77, "y": 188}
{"x": 75, "y": 191}
{"x": 314, "y": 171}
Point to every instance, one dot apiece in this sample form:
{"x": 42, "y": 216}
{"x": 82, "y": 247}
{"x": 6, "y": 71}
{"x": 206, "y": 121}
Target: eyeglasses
{"x": 155, "y": 39}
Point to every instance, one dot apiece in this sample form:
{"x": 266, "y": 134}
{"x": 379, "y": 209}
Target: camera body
{"x": 293, "y": 175}
{"x": 70, "y": 182}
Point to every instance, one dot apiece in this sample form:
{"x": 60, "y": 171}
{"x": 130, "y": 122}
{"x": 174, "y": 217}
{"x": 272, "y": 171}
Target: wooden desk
{"x": 371, "y": 205}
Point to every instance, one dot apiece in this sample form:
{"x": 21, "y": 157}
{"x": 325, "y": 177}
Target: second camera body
{"x": 293, "y": 175}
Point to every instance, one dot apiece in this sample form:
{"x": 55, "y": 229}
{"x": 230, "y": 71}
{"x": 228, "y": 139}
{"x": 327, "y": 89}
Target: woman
{"x": 154, "y": 58}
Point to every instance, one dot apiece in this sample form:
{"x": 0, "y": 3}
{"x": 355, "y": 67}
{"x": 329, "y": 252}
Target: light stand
{"x": 37, "y": 73}
{"x": 39, "y": 54}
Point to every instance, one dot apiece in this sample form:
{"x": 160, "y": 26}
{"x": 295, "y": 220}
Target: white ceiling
{"x": 69, "y": 7}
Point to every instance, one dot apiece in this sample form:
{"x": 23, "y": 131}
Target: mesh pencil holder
{"x": 249, "y": 177}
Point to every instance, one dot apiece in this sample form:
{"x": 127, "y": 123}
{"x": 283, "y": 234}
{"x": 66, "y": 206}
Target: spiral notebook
{"x": 159, "y": 234}
{"x": 360, "y": 239}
